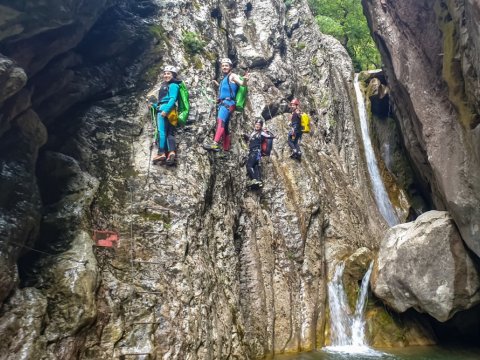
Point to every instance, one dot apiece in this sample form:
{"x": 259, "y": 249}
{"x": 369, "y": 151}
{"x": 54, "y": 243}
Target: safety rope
{"x": 269, "y": 112}
{"x": 45, "y": 253}
{"x": 131, "y": 185}
{"x": 152, "y": 145}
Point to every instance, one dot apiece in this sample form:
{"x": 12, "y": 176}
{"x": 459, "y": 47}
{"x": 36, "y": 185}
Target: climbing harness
{"x": 152, "y": 144}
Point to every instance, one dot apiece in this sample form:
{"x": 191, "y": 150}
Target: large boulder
{"x": 424, "y": 265}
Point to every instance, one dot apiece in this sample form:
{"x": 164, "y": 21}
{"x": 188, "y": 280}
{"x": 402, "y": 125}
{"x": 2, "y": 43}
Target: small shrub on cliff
{"x": 192, "y": 43}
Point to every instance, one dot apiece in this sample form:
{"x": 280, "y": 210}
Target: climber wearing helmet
{"x": 228, "y": 88}
{"x": 167, "y": 116}
{"x": 255, "y": 153}
{"x": 295, "y": 133}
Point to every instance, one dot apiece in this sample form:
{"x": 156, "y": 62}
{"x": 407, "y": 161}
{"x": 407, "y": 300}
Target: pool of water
{"x": 365, "y": 353}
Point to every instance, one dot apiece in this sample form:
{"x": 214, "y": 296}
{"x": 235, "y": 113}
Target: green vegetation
{"x": 158, "y": 32}
{"x": 344, "y": 20}
{"x": 301, "y": 46}
{"x": 192, "y": 42}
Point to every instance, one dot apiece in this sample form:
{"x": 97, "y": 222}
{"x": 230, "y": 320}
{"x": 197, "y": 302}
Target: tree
{"x": 344, "y": 20}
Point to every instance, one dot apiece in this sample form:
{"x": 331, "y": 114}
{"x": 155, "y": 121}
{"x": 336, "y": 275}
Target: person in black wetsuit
{"x": 295, "y": 133}
{"x": 255, "y": 153}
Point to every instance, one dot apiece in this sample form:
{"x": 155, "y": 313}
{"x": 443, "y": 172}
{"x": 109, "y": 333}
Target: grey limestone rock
{"x": 424, "y": 265}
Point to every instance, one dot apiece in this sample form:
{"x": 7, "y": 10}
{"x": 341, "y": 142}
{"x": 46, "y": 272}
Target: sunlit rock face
{"x": 204, "y": 268}
{"x": 430, "y": 54}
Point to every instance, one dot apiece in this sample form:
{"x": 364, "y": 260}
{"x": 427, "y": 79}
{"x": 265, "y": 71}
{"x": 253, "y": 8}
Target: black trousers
{"x": 293, "y": 143}
{"x": 253, "y": 164}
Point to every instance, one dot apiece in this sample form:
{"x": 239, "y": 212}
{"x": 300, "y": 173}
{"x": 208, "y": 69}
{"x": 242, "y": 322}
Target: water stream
{"x": 347, "y": 327}
{"x": 379, "y": 191}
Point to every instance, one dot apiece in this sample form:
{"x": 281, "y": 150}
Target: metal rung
{"x": 147, "y": 262}
{"x": 135, "y": 354}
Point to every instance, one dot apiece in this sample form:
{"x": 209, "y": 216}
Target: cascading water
{"x": 358, "y": 324}
{"x": 340, "y": 319}
{"x": 347, "y": 329}
{"x": 381, "y": 196}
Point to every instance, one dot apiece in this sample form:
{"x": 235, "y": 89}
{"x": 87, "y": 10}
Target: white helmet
{"x": 170, "y": 68}
{"x": 226, "y": 61}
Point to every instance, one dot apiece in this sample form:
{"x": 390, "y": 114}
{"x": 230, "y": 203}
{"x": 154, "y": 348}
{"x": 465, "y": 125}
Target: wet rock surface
{"x": 405, "y": 191}
{"x": 424, "y": 265}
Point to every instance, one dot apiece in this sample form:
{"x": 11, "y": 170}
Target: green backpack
{"x": 241, "y": 97}
{"x": 183, "y": 104}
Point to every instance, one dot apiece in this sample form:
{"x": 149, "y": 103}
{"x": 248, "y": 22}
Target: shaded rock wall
{"x": 49, "y": 67}
{"x": 55, "y": 56}
{"x": 430, "y": 54}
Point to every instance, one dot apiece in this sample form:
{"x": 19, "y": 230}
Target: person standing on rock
{"x": 295, "y": 133}
{"x": 167, "y": 117}
{"x": 228, "y": 88}
{"x": 255, "y": 141}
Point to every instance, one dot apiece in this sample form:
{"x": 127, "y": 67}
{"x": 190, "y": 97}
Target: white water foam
{"x": 381, "y": 197}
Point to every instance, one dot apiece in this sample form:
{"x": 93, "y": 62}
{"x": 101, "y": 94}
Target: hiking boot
{"x": 159, "y": 158}
{"x": 253, "y": 184}
{"x": 258, "y": 183}
{"x": 296, "y": 154}
{"x": 171, "y": 158}
{"x": 211, "y": 145}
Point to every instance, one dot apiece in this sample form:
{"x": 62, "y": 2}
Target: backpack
{"x": 305, "y": 122}
{"x": 179, "y": 116}
{"x": 241, "y": 97}
{"x": 183, "y": 104}
{"x": 267, "y": 144}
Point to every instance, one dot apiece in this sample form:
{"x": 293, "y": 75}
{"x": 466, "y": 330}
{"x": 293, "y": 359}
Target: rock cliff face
{"x": 204, "y": 268}
{"x": 430, "y": 52}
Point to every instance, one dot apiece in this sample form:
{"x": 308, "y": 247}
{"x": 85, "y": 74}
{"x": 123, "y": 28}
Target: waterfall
{"x": 340, "y": 319}
{"x": 358, "y": 325}
{"x": 347, "y": 329}
{"x": 381, "y": 196}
